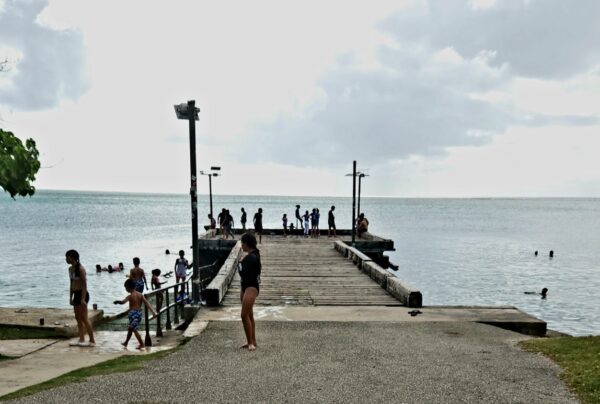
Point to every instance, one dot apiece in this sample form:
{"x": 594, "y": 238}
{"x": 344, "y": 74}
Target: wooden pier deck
{"x": 310, "y": 272}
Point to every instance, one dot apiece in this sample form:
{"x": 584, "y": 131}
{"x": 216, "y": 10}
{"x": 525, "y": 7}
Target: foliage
{"x": 580, "y": 359}
{"x": 18, "y": 164}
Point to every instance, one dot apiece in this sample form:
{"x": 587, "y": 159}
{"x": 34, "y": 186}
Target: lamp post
{"x": 189, "y": 112}
{"x": 361, "y": 175}
{"x": 353, "y": 174}
{"x": 210, "y": 175}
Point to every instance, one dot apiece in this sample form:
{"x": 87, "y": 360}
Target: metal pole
{"x": 359, "y": 181}
{"x": 194, "y": 195}
{"x": 210, "y": 193}
{"x": 354, "y": 203}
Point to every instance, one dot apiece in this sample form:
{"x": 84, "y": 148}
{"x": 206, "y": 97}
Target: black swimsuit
{"x": 249, "y": 269}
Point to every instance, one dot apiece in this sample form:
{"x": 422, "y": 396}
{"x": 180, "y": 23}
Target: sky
{"x": 453, "y": 98}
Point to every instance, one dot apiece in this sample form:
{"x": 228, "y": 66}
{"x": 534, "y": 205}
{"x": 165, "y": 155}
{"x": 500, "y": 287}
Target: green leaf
{"x": 18, "y": 164}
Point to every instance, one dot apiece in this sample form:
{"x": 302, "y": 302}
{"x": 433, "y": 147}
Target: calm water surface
{"x": 456, "y": 251}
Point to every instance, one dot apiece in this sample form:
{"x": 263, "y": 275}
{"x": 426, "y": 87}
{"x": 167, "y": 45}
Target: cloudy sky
{"x": 440, "y": 98}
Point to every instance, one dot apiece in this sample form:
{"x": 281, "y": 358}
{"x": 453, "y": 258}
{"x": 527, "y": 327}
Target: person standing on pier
{"x": 298, "y": 217}
{"x": 284, "y": 221}
{"x": 249, "y": 269}
{"x": 331, "y": 222}
{"x": 221, "y": 220}
{"x": 258, "y": 227}
{"x": 243, "y": 219}
{"x": 79, "y": 298}
{"x": 306, "y": 218}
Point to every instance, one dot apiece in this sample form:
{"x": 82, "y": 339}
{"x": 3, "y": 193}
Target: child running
{"x": 135, "y": 300}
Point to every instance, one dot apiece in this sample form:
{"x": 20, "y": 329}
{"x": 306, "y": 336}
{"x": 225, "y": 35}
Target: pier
{"x": 326, "y": 279}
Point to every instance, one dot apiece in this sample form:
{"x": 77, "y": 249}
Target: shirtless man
{"x": 135, "y": 300}
{"x": 138, "y": 276}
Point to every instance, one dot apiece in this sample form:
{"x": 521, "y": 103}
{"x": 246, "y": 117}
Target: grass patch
{"x": 580, "y": 359}
{"x": 123, "y": 364}
{"x": 26, "y": 333}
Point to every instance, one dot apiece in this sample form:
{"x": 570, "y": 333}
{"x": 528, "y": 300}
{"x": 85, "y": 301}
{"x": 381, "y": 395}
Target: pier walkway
{"x": 310, "y": 272}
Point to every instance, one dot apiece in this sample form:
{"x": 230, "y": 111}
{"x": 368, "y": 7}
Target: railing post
{"x": 168, "y": 325}
{"x": 175, "y": 290}
{"x": 159, "y": 332}
{"x": 148, "y": 340}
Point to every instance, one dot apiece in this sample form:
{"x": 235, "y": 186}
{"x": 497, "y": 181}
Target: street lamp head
{"x": 182, "y": 112}
{"x": 215, "y": 174}
{"x": 215, "y": 168}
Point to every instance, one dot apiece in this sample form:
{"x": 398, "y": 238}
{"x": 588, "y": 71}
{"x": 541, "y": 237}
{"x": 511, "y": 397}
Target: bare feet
{"x": 140, "y": 347}
{"x": 124, "y": 344}
{"x": 251, "y": 347}
{"x": 244, "y": 346}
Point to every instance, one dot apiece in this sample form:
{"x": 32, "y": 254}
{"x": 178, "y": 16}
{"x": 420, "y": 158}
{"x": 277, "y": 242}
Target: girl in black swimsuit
{"x": 249, "y": 269}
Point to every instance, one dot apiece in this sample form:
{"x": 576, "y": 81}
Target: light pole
{"x": 190, "y": 112}
{"x": 361, "y": 175}
{"x": 210, "y": 175}
{"x": 353, "y": 174}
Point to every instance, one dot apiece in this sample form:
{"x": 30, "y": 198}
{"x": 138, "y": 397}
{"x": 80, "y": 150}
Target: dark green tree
{"x": 18, "y": 164}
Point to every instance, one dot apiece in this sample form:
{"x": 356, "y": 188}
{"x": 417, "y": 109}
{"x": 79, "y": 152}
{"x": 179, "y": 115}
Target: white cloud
{"x": 50, "y": 65}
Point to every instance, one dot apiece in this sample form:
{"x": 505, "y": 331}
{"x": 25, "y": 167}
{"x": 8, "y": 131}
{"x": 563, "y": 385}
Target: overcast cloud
{"x": 430, "y": 89}
{"x": 437, "y": 98}
{"x": 51, "y": 63}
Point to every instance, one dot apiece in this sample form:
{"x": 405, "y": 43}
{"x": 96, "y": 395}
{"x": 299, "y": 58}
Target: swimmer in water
{"x": 543, "y": 293}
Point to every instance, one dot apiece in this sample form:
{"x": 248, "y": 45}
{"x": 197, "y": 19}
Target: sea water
{"x": 456, "y": 251}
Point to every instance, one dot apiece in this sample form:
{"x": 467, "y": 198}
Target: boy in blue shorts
{"x": 135, "y": 300}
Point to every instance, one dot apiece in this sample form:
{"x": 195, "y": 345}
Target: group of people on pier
{"x": 307, "y": 224}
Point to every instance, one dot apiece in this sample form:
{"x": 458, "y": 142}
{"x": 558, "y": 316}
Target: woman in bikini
{"x": 79, "y": 298}
{"x": 249, "y": 269}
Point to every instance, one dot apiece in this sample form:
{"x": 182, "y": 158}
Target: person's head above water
{"x": 136, "y": 261}
{"x": 544, "y": 292}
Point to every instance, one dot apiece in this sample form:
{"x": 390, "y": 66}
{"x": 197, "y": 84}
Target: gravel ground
{"x": 329, "y": 362}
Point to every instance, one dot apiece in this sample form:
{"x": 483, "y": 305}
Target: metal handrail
{"x": 184, "y": 287}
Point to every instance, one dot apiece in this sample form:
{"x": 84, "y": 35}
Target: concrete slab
{"x": 335, "y": 362}
{"x": 59, "y": 358}
{"x": 505, "y": 317}
{"x": 15, "y": 348}
{"x": 60, "y": 320}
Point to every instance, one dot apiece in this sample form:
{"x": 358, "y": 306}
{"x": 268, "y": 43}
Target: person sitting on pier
{"x": 213, "y": 225}
{"x": 249, "y": 269}
{"x": 362, "y": 226}
{"x": 135, "y": 300}
{"x": 138, "y": 276}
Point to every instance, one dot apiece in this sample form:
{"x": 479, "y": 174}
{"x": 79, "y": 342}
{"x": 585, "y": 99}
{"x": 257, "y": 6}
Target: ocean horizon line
{"x": 134, "y": 193}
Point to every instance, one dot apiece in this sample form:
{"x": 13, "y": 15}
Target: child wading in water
{"x": 138, "y": 276}
{"x": 135, "y": 300}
